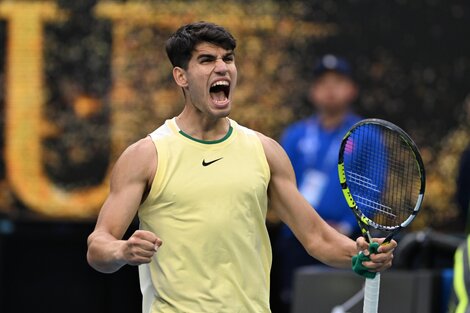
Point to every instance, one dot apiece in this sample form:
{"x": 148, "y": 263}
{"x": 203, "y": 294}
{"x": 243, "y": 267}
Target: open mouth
{"x": 219, "y": 92}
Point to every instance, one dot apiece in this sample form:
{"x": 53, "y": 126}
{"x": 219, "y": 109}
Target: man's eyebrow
{"x": 206, "y": 55}
{"x": 212, "y": 56}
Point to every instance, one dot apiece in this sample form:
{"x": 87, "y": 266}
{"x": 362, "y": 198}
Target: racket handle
{"x": 371, "y": 294}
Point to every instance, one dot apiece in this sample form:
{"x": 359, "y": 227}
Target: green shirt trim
{"x": 209, "y": 142}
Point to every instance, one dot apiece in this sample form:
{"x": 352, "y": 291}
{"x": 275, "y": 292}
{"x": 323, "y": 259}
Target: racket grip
{"x": 371, "y": 294}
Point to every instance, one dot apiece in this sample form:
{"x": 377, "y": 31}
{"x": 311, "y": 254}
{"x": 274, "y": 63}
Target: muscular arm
{"x": 132, "y": 176}
{"x": 318, "y": 238}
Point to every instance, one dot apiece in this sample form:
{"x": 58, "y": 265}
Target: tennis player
{"x": 201, "y": 185}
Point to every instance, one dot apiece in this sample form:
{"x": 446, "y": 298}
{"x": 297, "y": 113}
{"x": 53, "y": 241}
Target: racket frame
{"x": 364, "y": 222}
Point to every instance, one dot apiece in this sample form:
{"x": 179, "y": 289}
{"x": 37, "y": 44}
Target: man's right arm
{"x": 131, "y": 178}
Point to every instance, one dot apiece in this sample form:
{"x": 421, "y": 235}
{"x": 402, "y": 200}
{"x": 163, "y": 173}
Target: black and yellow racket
{"x": 382, "y": 177}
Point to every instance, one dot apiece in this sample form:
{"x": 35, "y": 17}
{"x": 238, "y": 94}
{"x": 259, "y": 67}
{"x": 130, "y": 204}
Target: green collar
{"x": 209, "y": 142}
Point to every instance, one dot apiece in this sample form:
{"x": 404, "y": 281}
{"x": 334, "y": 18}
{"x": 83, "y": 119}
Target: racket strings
{"x": 382, "y": 174}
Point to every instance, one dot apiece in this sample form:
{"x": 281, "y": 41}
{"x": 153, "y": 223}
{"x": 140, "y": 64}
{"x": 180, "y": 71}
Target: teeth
{"x": 220, "y": 83}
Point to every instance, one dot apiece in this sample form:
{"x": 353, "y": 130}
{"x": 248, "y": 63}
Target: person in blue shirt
{"x": 312, "y": 145}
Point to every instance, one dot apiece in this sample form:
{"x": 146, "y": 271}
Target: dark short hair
{"x": 180, "y": 46}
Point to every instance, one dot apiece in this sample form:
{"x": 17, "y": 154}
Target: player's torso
{"x": 208, "y": 204}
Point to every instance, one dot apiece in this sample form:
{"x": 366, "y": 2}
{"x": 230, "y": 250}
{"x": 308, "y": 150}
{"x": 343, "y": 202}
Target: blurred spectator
{"x": 463, "y": 185}
{"x": 312, "y": 145}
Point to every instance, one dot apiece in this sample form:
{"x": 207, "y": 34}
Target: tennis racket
{"x": 382, "y": 177}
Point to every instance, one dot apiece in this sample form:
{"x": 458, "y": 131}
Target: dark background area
{"x": 43, "y": 268}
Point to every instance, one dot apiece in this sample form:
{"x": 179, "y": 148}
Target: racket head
{"x": 381, "y": 174}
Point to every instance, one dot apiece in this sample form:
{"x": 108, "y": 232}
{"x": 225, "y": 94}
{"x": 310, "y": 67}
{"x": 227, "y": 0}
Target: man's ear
{"x": 179, "y": 75}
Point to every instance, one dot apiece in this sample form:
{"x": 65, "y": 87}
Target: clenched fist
{"x": 140, "y": 247}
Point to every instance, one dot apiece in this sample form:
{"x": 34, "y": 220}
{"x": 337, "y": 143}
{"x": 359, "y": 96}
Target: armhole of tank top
{"x": 258, "y": 145}
{"x": 263, "y": 158}
{"x": 156, "y": 185}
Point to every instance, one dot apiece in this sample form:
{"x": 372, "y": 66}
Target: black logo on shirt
{"x": 204, "y": 163}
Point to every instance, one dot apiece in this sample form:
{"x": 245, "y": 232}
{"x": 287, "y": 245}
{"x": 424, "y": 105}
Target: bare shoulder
{"x": 269, "y": 145}
{"x": 275, "y": 154}
{"x": 138, "y": 161}
{"x": 144, "y": 148}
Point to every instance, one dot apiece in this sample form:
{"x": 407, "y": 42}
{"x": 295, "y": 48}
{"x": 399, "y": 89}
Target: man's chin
{"x": 221, "y": 111}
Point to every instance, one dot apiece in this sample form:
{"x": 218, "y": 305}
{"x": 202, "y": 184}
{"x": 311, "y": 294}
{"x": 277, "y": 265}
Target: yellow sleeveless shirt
{"x": 208, "y": 204}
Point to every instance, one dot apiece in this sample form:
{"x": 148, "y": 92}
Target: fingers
{"x": 144, "y": 240}
{"x": 387, "y": 247}
{"x": 140, "y": 247}
{"x": 148, "y": 238}
{"x": 381, "y": 260}
{"x": 375, "y": 266}
{"x": 158, "y": 242}
{"x": 362, "y": 245}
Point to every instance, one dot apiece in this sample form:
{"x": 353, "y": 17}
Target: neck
{"x": 331, "y": 120}
{"x": 202, "y": 127}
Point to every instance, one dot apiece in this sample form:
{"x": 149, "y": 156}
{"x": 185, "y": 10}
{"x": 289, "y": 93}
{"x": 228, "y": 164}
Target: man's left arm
{"x": 318, "y": 238}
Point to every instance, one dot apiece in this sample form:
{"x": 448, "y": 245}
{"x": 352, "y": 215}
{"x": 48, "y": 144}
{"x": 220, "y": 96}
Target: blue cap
{"x": 331, "y": 62}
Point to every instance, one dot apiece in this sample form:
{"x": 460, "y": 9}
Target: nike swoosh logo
{"x": 204, "y": 163}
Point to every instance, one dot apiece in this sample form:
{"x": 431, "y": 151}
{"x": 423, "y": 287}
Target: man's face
{"x": 211, "y": 79}
{"x": 332, "y": 92}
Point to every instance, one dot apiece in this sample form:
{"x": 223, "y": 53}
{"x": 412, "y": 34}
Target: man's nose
{"x": 220, "y": 67}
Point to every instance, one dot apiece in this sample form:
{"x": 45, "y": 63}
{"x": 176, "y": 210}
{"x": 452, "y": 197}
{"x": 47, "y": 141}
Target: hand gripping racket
{"x": 382, "y": 176}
